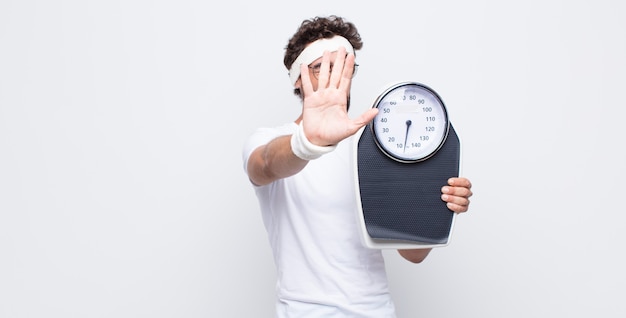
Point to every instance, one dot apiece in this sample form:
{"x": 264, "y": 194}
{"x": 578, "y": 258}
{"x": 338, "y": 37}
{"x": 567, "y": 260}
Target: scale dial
{"x": 412, "y": 122}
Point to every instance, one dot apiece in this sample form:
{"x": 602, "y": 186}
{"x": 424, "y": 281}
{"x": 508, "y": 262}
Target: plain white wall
{"x": 122, "y": 192}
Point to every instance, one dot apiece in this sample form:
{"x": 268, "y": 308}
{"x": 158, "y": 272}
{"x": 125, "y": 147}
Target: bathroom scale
{"x": 402, "y": 159}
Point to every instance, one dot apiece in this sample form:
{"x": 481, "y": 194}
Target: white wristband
{"x": 304, "y": 149}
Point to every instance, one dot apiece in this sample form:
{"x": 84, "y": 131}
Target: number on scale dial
{"x": 412, "y": 122}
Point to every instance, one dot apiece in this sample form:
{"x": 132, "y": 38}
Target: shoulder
{"x": 284, "y": 129}
{"x": 263, "y": 135}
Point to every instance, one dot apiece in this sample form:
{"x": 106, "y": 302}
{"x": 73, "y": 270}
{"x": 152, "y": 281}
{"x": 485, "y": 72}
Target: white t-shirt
{"x": 323, "y": 268}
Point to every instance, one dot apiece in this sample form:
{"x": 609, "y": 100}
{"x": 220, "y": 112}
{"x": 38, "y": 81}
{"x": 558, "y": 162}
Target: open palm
{"x": 325, "y": 110}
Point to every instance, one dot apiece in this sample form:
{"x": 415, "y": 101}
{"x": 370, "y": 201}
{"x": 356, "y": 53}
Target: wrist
{"x": 306, "y": 150}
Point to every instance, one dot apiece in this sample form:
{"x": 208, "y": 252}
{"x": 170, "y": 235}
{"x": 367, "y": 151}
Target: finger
{"x": 338, "y": 67}
{"x": 456, "y": 203}
{"x": 347, "y": 73}
{"x": 460, "y": 182}
{"x": 457, "y": 191}
{"x": 456, "y": 199}
{"x": 324, "y": 71}
{"x": 456, "y": 208}
{"x": 305, "y": 80}
{"x": 363, "y": 119}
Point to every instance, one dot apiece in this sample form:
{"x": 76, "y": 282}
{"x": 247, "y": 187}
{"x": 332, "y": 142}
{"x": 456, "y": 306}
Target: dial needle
{"x": 406, "y": 135}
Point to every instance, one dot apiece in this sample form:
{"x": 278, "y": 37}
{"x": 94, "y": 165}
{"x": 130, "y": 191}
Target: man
{"x": 302, "y": 175}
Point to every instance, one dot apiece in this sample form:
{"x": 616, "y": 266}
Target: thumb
{"x": 363, "y": 119}
{"x": 366, "y": 117}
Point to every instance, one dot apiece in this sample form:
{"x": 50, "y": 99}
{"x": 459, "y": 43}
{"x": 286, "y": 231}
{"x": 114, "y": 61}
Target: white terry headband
{"x": 315, "y": 50}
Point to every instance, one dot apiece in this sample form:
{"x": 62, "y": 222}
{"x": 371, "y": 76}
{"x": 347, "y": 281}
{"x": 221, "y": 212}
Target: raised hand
{"x": 325, "y": 109}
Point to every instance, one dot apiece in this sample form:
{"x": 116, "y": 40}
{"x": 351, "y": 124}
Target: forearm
{"x": 274, "y": 161}
{"x": 415, "y": 255}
